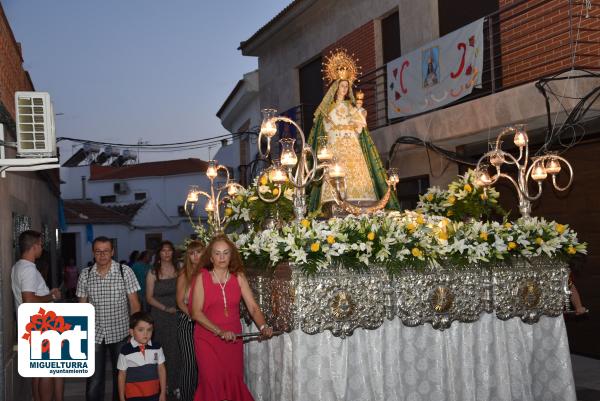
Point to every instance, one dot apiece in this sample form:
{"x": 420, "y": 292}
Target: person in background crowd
{"x": 70, "y": 276}
{"x": 112, "y": 289}
{"x": 576, "y": 264}
{"x": 215, "y": 299}
{"x": 141, "y": 268}
{"x": 133, "y": 257}
{"x": 161, "y": 294}
{"x": 141, "y": 364}
{"x": 185, "y": 324}
{"x": 28, "y": 285}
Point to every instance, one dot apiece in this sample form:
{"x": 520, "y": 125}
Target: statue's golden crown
{"x": 340, "y": 65}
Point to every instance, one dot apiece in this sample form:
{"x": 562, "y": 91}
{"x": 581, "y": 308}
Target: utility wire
{"x": 167, "y": 146}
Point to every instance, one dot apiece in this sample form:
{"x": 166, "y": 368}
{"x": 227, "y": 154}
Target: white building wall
{"x": 240, "y": 111}
{"x": 71, "y": 186}
{"x": 159, "y": 215}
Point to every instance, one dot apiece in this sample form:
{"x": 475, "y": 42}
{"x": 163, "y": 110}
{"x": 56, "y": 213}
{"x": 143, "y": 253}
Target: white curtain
{"x": 489, "y": 360}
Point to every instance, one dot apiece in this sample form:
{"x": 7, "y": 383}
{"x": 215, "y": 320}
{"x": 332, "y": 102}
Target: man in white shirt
{"x": 28, "y": 285}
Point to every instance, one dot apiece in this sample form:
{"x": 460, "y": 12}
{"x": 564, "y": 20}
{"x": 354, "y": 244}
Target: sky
{"x": 129, "y": 70}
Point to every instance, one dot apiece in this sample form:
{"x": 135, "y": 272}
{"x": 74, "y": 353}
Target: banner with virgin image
{"x": 437, "y": 74}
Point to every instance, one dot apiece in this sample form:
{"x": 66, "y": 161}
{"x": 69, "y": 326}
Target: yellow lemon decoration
{"x": 416, "y": 252}
{"x": 330, "y": 239}
{"x": 371, "y": 236}
{"x": 275, "y": 191}
{"x": 452, "y": 199}
{"x": 228, "y": 211}
{"x": 449, "y": 213}
{"x": 443, "y": 235}
{"x": 420, "y": 219}
{"x": 507, "y": 226}
{"x": 560, "y": 228}
{"x": 411, "y": 227}
{"x": 429, "y": 197}
{"x": 571, "y": 250}
{"x": 483, "y": 235}
{"x": 512, "y": 245}
{"x": 468, "y": 188}
{"x": 315, "y": 246}
{"x": 539, "y": 241}
{"x": 264, "y": 180}
{"x": 239, "y": 198}
{"x": 305, "y": 223}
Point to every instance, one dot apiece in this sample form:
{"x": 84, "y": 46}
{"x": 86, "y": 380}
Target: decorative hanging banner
{"x": 436, "y": 74}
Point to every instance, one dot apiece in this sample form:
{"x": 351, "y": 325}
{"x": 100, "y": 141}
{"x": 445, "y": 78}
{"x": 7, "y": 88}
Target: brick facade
{"x": 361, "y": 43}
{"x": 540, "y": 37}
{"x": 12, "y": 75}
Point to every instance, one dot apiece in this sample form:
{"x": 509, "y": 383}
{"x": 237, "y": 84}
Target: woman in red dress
{"x": 215, "y": 298}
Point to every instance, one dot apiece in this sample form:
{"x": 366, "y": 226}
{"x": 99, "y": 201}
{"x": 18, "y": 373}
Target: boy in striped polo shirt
{"x": 142, "y": 372}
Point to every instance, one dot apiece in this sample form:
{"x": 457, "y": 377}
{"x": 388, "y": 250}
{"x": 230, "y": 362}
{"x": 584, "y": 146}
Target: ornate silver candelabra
{"x": 538, "y": 170}
{"x": 301, "y": 169}
{"x": 214, "y": 199}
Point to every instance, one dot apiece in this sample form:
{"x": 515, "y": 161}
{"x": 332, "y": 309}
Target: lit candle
{"x": 539, "y": 172}
{"x": 192, "y": 197}
{"x": 336, "y": 171}
{"x": 268, "y": 128}
{"x": 211, "y": 170}
{"x": 193, "y": 194}
{"x": 553, "y": 166}
{"x": 279, "y": 176}
{"x": 210, "y": 207}
{"x": 232, "y": 190}
{"x": 521, "y": 138}
{"x": 324, "y": 155}
{"x": 288, "y": 158}
{"x": 497, "y": 158}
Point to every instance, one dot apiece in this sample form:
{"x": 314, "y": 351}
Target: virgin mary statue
{"x": 341, "y": 119}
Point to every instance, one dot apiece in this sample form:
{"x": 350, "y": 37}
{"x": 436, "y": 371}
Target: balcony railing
{"x": 524, "y": 41}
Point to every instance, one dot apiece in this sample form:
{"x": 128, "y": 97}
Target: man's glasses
{"x": 102, "y": 253}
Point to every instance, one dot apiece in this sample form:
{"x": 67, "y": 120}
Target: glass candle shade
{"x": 268, "y": 126}
{"x": 520, "y": 138}
{"x": 288, "y": 156}
{"x": 211, "y": 170}
{"x": 539, "y": 172}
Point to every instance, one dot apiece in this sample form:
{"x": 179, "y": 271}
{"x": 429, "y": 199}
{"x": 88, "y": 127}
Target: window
{"x": 139, "y": 196}
{"x": 311, "y": 91}
{"x": 108, "y": 198}
{"x": 409, "y": 189}
{"x": 454, "y": 14}
{"x": 390, "y": 37}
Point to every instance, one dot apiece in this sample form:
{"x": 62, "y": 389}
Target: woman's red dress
{"x": 220, "y": 363}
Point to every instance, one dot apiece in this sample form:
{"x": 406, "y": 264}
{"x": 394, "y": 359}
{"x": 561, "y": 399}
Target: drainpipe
{"x": 83, "y": 194}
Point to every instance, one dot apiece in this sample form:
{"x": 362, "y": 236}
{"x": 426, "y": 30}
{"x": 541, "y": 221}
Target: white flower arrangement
{"x": 399, "y": 240}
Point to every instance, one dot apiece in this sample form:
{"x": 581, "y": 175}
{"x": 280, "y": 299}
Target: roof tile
{"x": 151, "y": 169}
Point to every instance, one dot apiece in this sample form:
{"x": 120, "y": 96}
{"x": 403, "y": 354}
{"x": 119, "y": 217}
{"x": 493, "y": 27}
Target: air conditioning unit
{"x": 36, "y": 135}
{"x": 121, "y": 188}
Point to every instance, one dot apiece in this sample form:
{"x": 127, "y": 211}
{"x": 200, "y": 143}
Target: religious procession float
{"x": 447, "y": 301}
